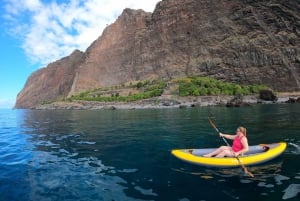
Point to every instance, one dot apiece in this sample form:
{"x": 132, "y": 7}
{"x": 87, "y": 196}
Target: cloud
{"x": 51, "y": 30}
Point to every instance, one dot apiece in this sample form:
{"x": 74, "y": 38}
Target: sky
{"x": 37, "y": 32}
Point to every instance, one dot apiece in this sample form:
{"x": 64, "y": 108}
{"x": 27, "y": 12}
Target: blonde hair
{"x": 243, "y": 130}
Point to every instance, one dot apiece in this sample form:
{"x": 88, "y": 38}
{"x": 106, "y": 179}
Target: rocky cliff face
{"x": 48, "y": 84}
{"x": 244, "y": 41}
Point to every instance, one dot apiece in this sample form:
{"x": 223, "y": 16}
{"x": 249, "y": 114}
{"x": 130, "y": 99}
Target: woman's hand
{"x": 236, "y": 154}
{"x": 221, "y": 134}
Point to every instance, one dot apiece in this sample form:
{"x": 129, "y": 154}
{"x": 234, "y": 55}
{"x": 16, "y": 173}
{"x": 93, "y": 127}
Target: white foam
{"x": 245, "y": 181}
{"x": 263, "y": 184}
{"x": 291, "y": 191}
{"x": 145, "y": 191}
{"x": 297, "y": 148}
{"x": 279, "y": 178}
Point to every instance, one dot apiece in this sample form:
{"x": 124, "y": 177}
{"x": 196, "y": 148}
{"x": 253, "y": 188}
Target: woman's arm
{"x": 228, "y": 136}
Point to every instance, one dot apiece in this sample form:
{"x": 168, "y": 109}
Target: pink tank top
{"x": 237, "y": 144}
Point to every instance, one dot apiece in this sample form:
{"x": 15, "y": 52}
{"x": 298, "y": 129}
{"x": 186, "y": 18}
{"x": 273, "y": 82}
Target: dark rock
{"x": 237, "y": 101}
{"x": 169, "y": 102}
{"x": 267, "y": 95}
{"x": 109, "y": 107}
{"x": 293, "y": 100}
{"x": 182, "y": 107}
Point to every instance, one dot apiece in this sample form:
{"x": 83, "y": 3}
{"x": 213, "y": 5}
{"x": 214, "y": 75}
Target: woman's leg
{"x": 217, "y": 151}
{"x": 227, "y": 152}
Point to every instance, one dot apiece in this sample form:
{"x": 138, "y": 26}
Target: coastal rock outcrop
{"x": 246, "y": 42}
{"x": 267, "y": 95}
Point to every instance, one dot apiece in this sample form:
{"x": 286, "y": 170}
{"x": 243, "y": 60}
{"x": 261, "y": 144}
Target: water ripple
{"x": 125, "y": 155}
{"x": 79, "y": 179}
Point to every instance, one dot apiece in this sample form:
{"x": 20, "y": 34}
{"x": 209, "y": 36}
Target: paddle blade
{"x": 247, "y": 172}
{"x": 244, "y": 168}
{"x": 213, "y": 125}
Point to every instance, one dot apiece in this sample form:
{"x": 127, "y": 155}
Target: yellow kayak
{"x": 257, "y": 154}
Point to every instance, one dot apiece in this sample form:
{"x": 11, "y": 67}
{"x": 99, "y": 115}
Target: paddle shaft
{"x": 238, "y": 159}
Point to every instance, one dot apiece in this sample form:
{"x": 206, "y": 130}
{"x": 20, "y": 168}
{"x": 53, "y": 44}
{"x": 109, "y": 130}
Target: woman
{"x": 239, "y": 145}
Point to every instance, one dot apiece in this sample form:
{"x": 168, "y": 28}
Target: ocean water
{"x": 125, "y": 155}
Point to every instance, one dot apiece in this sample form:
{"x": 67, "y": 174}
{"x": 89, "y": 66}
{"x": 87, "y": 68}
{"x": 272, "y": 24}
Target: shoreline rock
{"x": 170, "y": 102}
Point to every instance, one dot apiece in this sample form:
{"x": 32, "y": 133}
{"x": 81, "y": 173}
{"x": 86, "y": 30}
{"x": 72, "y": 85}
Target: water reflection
{"x": 269, "y": 180}
{"x": 64, "y": 164}
{"x": 260, "y": 171}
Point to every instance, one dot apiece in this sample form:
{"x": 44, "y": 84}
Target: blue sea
{"x": 120, "y": 155}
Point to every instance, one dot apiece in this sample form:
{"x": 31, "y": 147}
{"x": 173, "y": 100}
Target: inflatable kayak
{"x": 257, "y": 154}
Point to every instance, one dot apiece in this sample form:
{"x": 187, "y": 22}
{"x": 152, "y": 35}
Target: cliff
{"x": 243, "y": 41}
{"x": 48, "y": 84}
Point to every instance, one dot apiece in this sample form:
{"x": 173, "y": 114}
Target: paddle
{"x": 241, "y": 164}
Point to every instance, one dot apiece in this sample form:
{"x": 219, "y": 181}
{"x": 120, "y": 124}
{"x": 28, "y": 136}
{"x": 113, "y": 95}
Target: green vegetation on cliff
{"x": 188, "y": 86}
{"x": 201, "y": 86}
{"x": 124, "y": 93}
